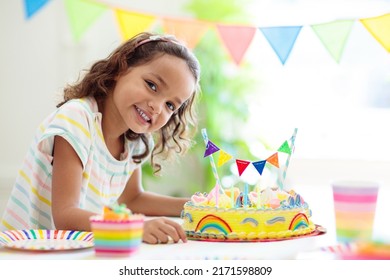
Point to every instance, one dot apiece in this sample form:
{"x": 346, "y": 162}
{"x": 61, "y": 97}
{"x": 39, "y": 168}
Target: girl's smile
{"x": 143, "y": 115}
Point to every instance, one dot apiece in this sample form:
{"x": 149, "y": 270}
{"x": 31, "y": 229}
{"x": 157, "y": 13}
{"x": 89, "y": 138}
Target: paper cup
{"x": 354, "y": 206}
{"x": 117, "y": 238}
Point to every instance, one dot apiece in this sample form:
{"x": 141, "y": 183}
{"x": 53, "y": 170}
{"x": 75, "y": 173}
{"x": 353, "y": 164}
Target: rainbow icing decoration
{"x": 275, "y": 220}
{"x": 213, "y": 223}
{"x": 250, "y": 221}
{"x": 299, "y": 221}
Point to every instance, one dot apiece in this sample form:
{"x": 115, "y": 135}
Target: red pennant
{"x": 236, "y": 39}
{"x": 242, "y": 165}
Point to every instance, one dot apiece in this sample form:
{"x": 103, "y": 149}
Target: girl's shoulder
{"x": 87, "y": 104}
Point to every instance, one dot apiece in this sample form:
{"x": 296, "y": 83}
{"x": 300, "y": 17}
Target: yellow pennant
{"x": 379, "y": 27}
{"x": 131, "y": 24}
{"x": 223, "y": 158}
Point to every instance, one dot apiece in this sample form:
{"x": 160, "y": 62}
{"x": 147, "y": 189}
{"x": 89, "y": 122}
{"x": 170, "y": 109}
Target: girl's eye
{"x": 151, "y": 85}
{"x": 171, "y": 106}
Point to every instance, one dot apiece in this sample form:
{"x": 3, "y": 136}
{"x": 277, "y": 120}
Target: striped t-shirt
{"x": 79, "y": 122}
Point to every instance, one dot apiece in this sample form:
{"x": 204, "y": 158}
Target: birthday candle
{"x": 258, "y": 197}
{"x": 246, "y": 195}
{"x": 232, "y": 196}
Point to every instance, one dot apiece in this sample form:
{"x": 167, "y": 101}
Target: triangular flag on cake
{"x": 274, "y": 160}
{"x": 259, "y": 165}
{"x": 223, "y": 158}
{"x": 242, "y": 165}
{"x": 211, "y": 148}
{"x": 285, "y": 148}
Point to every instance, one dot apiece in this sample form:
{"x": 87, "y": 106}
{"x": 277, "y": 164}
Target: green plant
{"x": 226, "y": 91}
{"x": 226, "y": 88}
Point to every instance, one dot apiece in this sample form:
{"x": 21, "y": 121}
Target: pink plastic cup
{"x": 354, "y": 206}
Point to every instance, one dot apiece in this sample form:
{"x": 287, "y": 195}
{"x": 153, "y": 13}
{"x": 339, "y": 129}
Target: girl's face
{"x": 147, "y": 95}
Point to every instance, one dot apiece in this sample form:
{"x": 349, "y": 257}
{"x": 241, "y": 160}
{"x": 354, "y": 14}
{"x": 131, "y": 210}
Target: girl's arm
{"x": 148, "y": 203}
{"x": 158, "y": 230}
{"x": 66, "y": 188}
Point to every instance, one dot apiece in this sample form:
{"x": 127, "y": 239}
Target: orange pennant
{"x": 189, "y": 31}
{"x": 274, "y": 160}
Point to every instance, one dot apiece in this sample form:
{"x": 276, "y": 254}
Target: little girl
{"x": 89, "y": 152}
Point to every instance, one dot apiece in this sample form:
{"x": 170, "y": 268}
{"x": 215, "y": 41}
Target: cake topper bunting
{"x": 273, "y": 160}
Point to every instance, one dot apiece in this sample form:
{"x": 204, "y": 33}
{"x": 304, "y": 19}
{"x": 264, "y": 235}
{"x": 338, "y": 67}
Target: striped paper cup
{"x": 354, "y": 205}
{"x": 117, "y": 238}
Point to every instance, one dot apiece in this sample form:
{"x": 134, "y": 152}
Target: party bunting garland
{"x": 242, "y": 165}
{"x": 237, "y": 39}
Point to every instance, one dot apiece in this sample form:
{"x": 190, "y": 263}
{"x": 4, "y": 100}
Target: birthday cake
{"x": 230, "y": 214}
{"x": 280, "y": 215}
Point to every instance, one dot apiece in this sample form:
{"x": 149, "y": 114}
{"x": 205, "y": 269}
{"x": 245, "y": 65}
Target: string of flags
{"x": 82, "y": 14}
{"x": 224, "y": 157}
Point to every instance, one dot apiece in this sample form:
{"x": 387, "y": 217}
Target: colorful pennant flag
{"x": 236, "y": 39}
{"x": 281, "y": 39}
{"x": 280, "y": 181}
{"x": 223, "y": 158}
{"x": 334, "y": 36}
{"x": 242, "y": 165}
{"x": 82, "y": 14}
{"x": 259, "y": 165}
{"x": 274, "y": 160}
{"x": 130, "y": 24}
{"x": 189, "y": 31}
{"x": 33, "y": 6}
{"x": 285, "y": 148}
{"x": 211, "y": 148}
{"x": 379, "y": 27}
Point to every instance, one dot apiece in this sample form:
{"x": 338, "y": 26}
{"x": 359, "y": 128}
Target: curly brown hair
{"x": 100, "y": 80}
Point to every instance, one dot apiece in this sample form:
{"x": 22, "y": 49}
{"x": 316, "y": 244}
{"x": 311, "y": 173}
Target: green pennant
{"x": 334, "y": 36}
{"x": 285, "y": 148}
{"x": 82, "y": 14}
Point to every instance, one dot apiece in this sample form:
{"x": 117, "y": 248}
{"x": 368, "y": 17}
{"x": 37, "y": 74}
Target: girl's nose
{"x": 155, "y": 105}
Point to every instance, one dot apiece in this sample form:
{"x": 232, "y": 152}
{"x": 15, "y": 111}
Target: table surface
{"x": 320, "y": 201}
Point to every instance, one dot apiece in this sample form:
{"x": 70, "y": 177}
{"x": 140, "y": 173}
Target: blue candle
{"x": 246, "y": 195}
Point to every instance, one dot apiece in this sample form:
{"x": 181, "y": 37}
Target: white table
{"x": 320, "y": 201}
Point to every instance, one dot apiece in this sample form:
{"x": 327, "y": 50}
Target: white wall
{"x": 38, "y": 57}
